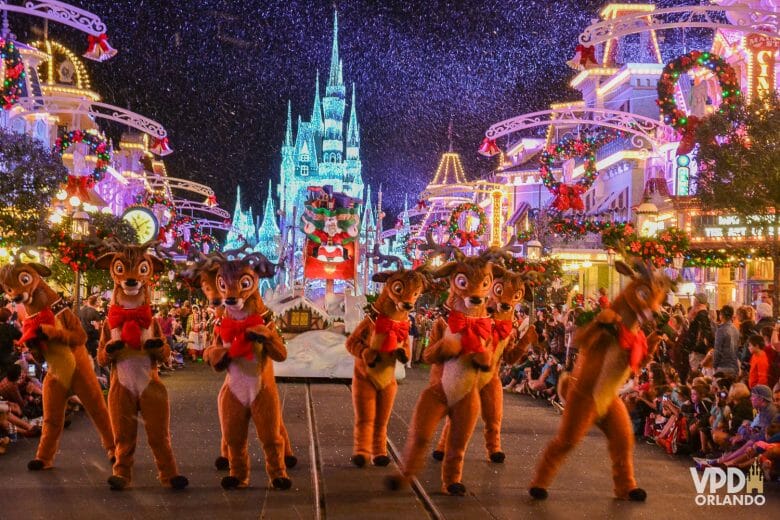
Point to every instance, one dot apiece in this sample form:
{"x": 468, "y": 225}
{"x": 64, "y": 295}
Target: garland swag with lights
{"x": 569, "y": 196}
{"x": 14, "y": 73}
{"x": 464, "y": 237}
{"x": 682, "y": 122}
{"x": 98, "y": 147}
{"x": 79, "y": 255}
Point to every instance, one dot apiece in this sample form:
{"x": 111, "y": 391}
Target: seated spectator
{"x": 8, "y": 335}
{"x": 759, "y": 364}
{"x": 9, "y": 386}
{"x": 699, "y": 418}
{"x": 548, "y": 379}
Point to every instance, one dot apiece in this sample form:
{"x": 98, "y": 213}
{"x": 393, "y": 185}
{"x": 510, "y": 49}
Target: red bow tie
{"x": 234, "y": 332}
{"x": 501, "y": 330}
{"x": 396, "y": 332}
{"x": 132, "y": 321}
{"x": 635, "y": 344}
{"x": 472, "y": 330}
{"x": 32, "y": 323}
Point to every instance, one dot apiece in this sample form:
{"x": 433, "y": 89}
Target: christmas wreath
{"x": 461, "y": 235}
{"x": 14, "y": 73}
{"x": 569, "y": 196}
{"x": 682, "y": 122}
{"x": 97, "y": 146}
{"x": 414, "y": 249}
{"x": 440, "y": 231}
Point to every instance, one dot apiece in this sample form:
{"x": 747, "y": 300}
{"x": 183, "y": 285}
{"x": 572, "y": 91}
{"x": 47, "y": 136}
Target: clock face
{"x": 144, "y": 222}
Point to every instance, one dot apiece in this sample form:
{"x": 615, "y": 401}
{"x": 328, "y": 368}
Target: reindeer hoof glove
{"x": 222, "y": 464}
{"x": 290, "y": 461}
{"x": 538, "y": 493}
{"x": 358, "y": 460}
{"x": 117, "y": 483}
{"x": 437, "y": 455}
{"x": 400, "y": 355}
{"x": 35, "y": 465}
{"x": 456, "y": 489}
{"x": 152, "y": 344}
{"x": 637, "y": 495}
{"x": 498, "y": 457}
{"x": 179, "y": 482}
{"x": 114, "y": 346}
{"x": 230, "y": 483}
{"x": 381, "y": 460}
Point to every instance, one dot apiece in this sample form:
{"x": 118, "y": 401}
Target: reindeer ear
{"x": 41, "y": 269}
{"x": 445, "y": 270}
{"x": 382, "y": 277}
{"x": 624, "y": 269}
{"x": 157, "y": 264}
{"x": 104, "y": 261}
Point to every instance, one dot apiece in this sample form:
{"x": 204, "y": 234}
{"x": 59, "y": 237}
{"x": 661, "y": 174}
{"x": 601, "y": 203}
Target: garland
{"x": 463, "y": 237}
{"x": 435, "y": 227}
{"x": 682, "y": 122}
{"x": 569, "y": 196}
{"x": 198, "y": 238}
{"x": 413, "y": 250}
{"x": 548, "y": 269}
{"x": 659, "y": 250}
{"x": 97, "y": 146}
{"x": 14, "y": 73}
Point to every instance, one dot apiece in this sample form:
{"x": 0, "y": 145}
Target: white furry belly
{"x": 614, "y": 373}
{"x": 243, "y": 381}
{"x": 134, "y": 373}
{"x": 459, "y": 377}
{"x": 383, "y": 373}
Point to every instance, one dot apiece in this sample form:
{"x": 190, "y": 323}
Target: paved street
{"x": 331, "y": 487}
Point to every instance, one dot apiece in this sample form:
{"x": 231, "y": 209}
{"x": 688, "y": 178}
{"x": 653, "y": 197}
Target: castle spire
{"x": 268, "y": 231}
{"x": 368, "y": 214}
{"x": 235, "y": 238}
{"x": 335, "y": 77}
{"x": 288, "y": 132}
{"x": 316, "y": 112}
{"x": 353, "y": 130}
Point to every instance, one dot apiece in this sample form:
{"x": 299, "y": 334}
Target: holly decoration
{"x": 14, "y": 73}
{"x": 98, "y": 146}
{"x": 569, "y": 196}
{"x": 682, "y": 122}
{"x": 463, "y": 237}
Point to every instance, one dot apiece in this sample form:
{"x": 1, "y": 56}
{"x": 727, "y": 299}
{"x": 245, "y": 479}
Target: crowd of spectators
{"x": 187, "y": 328}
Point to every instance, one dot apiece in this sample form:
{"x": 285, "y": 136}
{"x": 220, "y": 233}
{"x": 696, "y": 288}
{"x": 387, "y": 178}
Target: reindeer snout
{"x": 216, "y": 302}
{"x": 475, "y": 300}
{"x": 407, "y": 306}
{"x": 505, "y": 307}
{"x": 131, "y": 282}
{"x": 231, "y": 301}
{"x": 19, "y": 298}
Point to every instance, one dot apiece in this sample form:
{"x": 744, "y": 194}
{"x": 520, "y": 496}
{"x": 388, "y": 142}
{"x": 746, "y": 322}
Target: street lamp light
{"x": 79, "y": 229}
{"x": 171, "y": 275}
{"x": 533, "y": 250}
{"x": 646, "y": 218}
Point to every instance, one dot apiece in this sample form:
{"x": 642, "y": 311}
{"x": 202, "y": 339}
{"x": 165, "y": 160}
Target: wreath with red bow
{"x": 414, "y": 250}
{"x": 569, "y": 196}
{"x": 463, "y": 237}
{"x": 97, "y": 147}
{"x": 682, "y": 122}
{"x": 14, "y": 73}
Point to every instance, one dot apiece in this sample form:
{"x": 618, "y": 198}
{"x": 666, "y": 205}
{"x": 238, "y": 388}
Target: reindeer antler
{"x": 449, "y": 251}
{"x": 386, "y": 260}
{"x": 267, "y": 268}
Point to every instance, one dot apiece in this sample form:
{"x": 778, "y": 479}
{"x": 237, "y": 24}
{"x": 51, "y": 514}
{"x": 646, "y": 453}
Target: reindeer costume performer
{"x": 249, "y": 343}
{"x": 377, "y": 342}
{"x": 508, "y": 290}
{"x": 610, "y": 347}
{"x": 203, "y": 274}
{"x": 132, "y": 343}
{"x": 452, "y": 389}
{"x": 60, "y": 340}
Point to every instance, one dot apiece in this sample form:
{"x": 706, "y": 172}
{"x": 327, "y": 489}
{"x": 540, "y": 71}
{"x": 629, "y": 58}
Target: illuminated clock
{"x": 143, "y": 221}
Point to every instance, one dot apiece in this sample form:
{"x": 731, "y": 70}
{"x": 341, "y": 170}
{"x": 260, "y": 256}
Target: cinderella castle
{"x": 317, "y": 154}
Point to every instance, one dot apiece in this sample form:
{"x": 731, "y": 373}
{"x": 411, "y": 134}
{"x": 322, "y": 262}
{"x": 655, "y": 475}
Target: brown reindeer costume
{"x": 250, "y": 343}
{"x": 60, "y": 340}
{"x": 610, "y": 347}
{"x": 132, "y": 343}
{"x": 457, "y": 352}
{"x": 508, "y": 290}
{"x": 377, "y": 342}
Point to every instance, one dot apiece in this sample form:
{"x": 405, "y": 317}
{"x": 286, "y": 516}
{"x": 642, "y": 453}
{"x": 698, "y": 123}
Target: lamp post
{"x": 79, "y": 228}
{"x": 646, "y": 218}
{"x": 611, "y": 265}
{"x": 533, "y": 253}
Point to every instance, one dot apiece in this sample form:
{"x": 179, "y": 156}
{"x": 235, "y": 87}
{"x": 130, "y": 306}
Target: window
{"x": 300, "y": 319}
{"x": 304, "y": 171}
{"x": 304, "y": 157}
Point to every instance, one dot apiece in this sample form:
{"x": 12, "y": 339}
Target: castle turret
{"x": 288, "y": 164}
{"x": 334, "y": 104}
{"x": 317, "y": 123}
{"x": 268, "y": 234}
{"x": 352, "y": 176}
{"x": 235, "y": 238}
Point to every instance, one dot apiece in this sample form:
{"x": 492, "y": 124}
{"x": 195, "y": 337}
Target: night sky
{"x": 217, "y": 75}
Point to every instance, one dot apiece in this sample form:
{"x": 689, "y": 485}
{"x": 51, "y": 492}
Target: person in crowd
{"x": 772, "y": 351}
{"x": 759, "y": 364}
{"x": 726, "y": 344}
{"x": 196, "y": 332}
{"x": 746, "y": 324}
{"x": 8, "y": 336}
{"x": 412, "y": 336}
{"x": 764, "y": 314}
{"x": 165, "y": 319}
{"x": 603, "y": 300}
{"x": 699, "y": 338}
{"x": 90, "y": 318}
{"x": 9, "y": 387}
{"x": 699, "y": 418}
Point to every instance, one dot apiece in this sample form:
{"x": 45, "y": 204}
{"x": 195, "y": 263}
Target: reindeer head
{"x": 645, "y": 292}
{"x": 23, "y": 283}
{"x": 470, "y": 279}
{"x": 402, "y": 288}
{"x": 131, "y": 268}
{"x": 238, "y": 280}
{"x": 507, "y": 291}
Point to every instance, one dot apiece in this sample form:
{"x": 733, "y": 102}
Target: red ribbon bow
{"x": 396, "y": 332}
{"x": 101, "y": 40}
{"x": 587, "y": 54}
{"x": 488, "y": 147}
{"x": 472, "y": 330}
{"x": 501, "y": 330}
{"x": 467, "y": 238}
{"x": 161, "y": 146}
{"x": 635, "y": 344}
{"x": 32, "y": 323}
{"x": 688, "y": 141}
{"x": 568, "y": 197}
{"x": 132, "y": 321}
{"x": 234, "y": 332}
{"x": 80, "y": 186}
